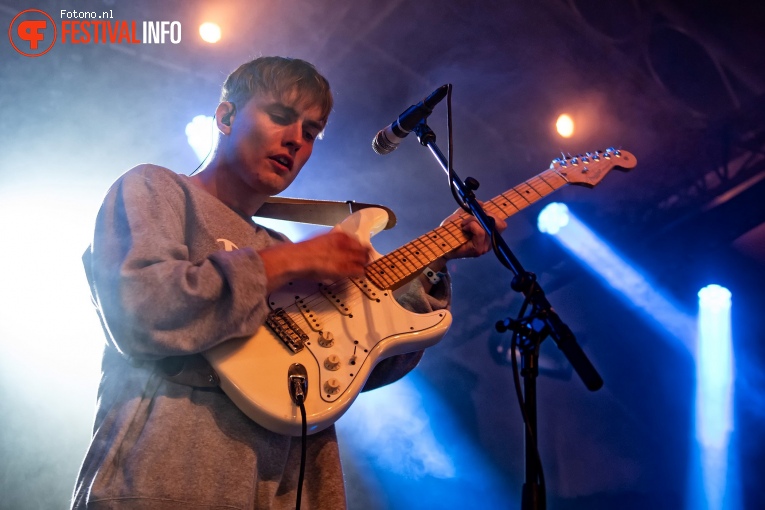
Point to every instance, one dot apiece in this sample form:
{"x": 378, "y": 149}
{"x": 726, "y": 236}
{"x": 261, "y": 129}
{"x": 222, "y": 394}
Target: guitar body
{"x": 344, "y": 330}
{"x": 337, "y": 333}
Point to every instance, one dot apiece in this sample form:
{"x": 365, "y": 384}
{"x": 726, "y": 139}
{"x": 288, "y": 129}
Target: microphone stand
{"x": 533, "y": 497}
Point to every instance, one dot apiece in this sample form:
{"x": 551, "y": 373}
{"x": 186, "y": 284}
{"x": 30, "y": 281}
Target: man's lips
{"x": 283, "y": 160}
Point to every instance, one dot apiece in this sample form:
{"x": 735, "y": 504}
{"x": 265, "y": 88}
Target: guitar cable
{"x": 298, "y": 396}
{"x": 303, "y": 441}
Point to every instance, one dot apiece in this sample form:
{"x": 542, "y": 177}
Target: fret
{"x": 414, "y": 255}
{"x": 422, "y": 244}
{"x": 553, "y": 179}
{"x": 540, "y": 185}
{"x": 523, "y": 197}
{"x": 402, "y": 258}
{"x": 506, "y": 205}
{"x": 456, "y": 236}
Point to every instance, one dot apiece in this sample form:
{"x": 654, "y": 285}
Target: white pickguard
{"x": 367, "y": 326}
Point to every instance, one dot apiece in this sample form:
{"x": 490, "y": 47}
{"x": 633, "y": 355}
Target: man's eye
{"x": 309, "y": 136}
{"x": 280, "y": 119}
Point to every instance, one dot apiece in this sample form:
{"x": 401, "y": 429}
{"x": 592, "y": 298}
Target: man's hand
{"x": 478, "y": 241}
{"x": 325, "y": 258}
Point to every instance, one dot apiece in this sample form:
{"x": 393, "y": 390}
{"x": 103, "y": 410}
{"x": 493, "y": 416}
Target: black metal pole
{"x": 532, "y": 497}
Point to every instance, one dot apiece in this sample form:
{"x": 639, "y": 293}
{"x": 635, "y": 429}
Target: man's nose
{"x": 293, "y": 135}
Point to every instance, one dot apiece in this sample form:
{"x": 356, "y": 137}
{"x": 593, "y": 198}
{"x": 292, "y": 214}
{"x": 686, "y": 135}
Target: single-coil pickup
{"x": 285, "y": 328}
{"x": 310, "y": 316}
{"x": 367, "y": 287}
{"x": 337, "y": 299}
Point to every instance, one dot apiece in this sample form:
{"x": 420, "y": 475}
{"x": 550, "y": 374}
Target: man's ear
{"x": 224, "y": 116}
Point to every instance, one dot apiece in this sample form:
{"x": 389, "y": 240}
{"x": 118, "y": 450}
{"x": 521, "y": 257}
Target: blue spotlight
{"x": 575, "y": 237}
{"x": 714, "y": 396}
{"x": 553, "y": 218}
{"x": 714, "y": 367}
{"x": 410, "y": 447}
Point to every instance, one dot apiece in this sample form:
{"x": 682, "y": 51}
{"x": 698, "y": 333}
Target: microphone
{"x": 388, "y": 138}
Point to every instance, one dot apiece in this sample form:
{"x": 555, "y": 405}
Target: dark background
{"x": 678, "y": 83}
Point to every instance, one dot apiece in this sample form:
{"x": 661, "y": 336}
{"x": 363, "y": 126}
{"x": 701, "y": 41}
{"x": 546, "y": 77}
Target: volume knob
{"x": 332, "y": 362}
{"x": 332, "y": 386}
{"x": 326, "y": 339}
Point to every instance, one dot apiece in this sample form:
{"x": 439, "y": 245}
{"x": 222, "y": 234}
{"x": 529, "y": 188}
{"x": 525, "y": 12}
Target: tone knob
{"x": 326, "y": 339}
{"x": 332, "y": 386}
{"x": 332, "y": 362}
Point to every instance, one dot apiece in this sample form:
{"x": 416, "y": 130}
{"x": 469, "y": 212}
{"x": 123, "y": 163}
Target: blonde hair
{"x": 279, "y": 77}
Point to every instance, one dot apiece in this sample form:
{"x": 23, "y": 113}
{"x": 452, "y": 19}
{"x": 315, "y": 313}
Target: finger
{"x": 500, "y": 224}
{"x": 481, "y": 240}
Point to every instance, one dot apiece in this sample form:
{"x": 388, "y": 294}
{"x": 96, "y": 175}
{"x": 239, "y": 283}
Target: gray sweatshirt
{"x": 173, "y": 272}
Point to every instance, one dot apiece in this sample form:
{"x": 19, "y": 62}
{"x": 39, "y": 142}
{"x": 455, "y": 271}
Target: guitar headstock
{"x": 590, "y": 168}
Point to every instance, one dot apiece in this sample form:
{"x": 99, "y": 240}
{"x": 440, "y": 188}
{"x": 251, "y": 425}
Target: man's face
{"x": 270, "y": 141}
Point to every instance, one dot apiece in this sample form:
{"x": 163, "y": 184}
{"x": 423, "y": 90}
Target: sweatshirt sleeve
{"x": 154, "y": 301}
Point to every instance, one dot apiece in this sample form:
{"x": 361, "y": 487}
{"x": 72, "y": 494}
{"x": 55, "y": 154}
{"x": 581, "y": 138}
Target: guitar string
{"x": 449, "y": 229}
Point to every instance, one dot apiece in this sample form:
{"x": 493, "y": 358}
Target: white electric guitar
{"x": 335, "y": 334}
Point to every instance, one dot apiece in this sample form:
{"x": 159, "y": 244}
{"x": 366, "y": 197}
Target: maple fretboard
{"x": 401, "y": 264}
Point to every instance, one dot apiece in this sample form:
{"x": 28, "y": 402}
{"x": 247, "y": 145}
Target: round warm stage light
{"x": 209, "y": 32}
{"x": 565, "y": 126}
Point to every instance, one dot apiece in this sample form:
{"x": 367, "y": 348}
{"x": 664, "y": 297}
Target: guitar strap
{"x": 316, "y": 212}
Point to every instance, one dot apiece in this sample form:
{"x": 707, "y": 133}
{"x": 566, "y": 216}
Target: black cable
{"x": 450, "y": 150}
{"x": 302, "y": 455}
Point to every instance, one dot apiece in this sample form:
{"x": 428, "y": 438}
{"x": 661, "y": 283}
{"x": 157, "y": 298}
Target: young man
{"x": 176, "y": 267}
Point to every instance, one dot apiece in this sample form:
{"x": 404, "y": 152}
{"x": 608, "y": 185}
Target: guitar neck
{"x": 400, "y": 265}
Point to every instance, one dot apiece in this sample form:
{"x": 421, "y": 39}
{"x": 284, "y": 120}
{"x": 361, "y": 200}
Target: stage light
{"x": 552, "y": 218}
{"x": 714, "y": 397}
{"x": 70, "y": 358}
{"x": 209, "y": 32}
{"x": 200, "y": 135}
{"x": 630, "y": 283}
{"x": 409, "y": 445}
{"x": 565, "y": 126}
{"x": 714, "y": 367}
